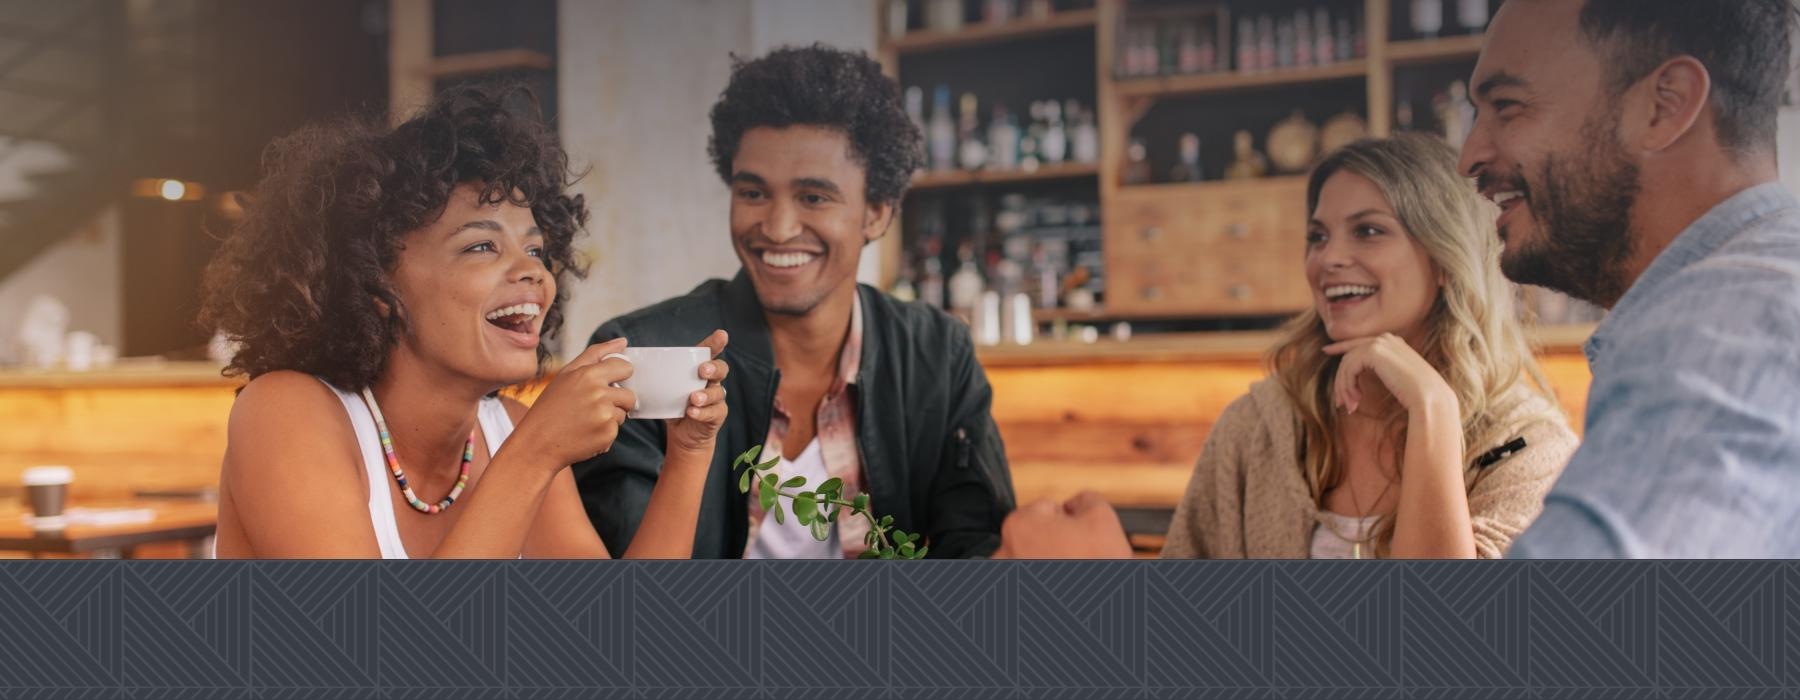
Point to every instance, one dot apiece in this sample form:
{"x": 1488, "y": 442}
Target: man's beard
{"x": 1583, "y": 212}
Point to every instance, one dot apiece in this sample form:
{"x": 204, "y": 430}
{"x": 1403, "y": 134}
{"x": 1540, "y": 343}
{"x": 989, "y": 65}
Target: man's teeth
{"x": 1340, "y": 291}
{"x": 1504, "y": 197}
{"x": 528, "y": 310}
{"x": 773, "y": 259}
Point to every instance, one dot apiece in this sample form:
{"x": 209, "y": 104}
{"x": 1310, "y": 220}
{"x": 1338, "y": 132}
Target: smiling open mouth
{"x": 787, "y": 260}
{"x": 516, "y": 318}
{"x": 1342, "y": 292}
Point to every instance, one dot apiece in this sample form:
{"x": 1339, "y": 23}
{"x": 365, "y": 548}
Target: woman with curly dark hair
{"x": 384, "y": 285}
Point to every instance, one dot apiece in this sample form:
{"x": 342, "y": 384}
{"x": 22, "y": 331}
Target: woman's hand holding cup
{"x": 579, "y": 413}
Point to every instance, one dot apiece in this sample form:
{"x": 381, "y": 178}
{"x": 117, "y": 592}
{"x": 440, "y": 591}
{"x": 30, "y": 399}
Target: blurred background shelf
{"x": 979, "y": 34}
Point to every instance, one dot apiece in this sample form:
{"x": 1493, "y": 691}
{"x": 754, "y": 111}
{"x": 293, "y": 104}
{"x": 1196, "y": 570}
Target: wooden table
{"x": 192, "y": 522}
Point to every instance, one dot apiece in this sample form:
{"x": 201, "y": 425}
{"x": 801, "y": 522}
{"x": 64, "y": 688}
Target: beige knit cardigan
{"x": 1249, "y": 498}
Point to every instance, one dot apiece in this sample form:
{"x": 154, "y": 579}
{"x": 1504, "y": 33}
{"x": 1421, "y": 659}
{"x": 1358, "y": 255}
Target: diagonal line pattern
{"x": 1348, "y": 647}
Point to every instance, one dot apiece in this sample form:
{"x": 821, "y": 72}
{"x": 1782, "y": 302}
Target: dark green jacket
{"x": 931, "y": 455}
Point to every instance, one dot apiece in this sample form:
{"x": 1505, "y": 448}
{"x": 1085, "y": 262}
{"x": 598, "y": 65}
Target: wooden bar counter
{"x": 1126, "y": 419}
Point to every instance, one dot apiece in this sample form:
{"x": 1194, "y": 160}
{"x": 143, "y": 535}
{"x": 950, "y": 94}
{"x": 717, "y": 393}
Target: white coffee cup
{"x": 663, "y": 379}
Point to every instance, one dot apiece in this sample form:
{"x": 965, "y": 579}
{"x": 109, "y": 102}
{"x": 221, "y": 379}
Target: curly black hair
{"x": 825, "y": 87}
{"x": 294, "y": 282}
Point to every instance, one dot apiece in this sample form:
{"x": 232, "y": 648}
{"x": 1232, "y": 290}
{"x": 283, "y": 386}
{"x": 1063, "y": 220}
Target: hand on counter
{"x": 1084, "y": 527}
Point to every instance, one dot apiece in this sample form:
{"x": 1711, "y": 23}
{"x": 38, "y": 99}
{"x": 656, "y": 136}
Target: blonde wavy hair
{"x": 1474, "y": 336}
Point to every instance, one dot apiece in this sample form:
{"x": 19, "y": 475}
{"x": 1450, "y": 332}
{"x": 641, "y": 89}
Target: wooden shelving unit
{"x": 1460, "y": 48}
{"x": 1210, "y": 83}
{"x": 489, "y": 62}
{"x": 967, "y": 178}
{"x": 1144, "y": 221}
{"x": 1066, "y": 21}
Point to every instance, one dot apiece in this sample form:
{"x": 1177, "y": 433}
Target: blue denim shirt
{"x": 1692, "y": 444}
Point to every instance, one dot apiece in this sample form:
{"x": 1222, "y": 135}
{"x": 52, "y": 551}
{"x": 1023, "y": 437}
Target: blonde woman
{"x": 1405, "y": 416}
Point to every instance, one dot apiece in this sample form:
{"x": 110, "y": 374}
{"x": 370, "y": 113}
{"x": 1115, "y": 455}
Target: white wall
{"x": 635, "y": 81}
{"x": 82, "y": 271}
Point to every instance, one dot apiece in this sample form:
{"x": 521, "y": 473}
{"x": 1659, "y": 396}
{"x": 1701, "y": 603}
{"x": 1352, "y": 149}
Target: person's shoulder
{"x": 1264, "y": 409}
{"x": 914, "y": 324}
{"x": 284, "y": 411}
{"x": 670, "y": 321}
{"x": 286, "y": 393}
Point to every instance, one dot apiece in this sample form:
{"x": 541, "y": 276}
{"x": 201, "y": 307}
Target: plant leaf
{"x": 921, "y": 553}
{"x": 832, "y": 486}
{"x": 821, "y": 530}
{"x": 834, "y": 514}
{"x": 748, "y": 457}
{"x": 869, "y": 539}
{"x": 744, "y": 481}
{"x": 869, "y": 554}
{"x": 765, "y": 466}
{"x": 766, "y": 497}
{"x": 860, "y": 503}
{"x": 805, "y": 509}
{"x": 770, "y": 482}
{"x": 906, "y": 550}
{"x": 795, "y": 482}
{"x": 887, "y": 520}
{"x": 779, "y": 520}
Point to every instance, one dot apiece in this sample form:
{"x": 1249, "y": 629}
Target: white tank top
{"x": 790, "y": 539}
{"x": 495, "y": 424}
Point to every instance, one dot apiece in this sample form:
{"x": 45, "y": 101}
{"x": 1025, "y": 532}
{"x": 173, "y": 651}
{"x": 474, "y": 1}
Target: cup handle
{"x": 615, "y": 385}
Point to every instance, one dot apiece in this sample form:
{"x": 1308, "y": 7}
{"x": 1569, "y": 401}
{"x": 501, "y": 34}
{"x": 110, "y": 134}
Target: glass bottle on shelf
{"x": 1324, "y": 48}
{"x": 1085, "y": 140}
{"x": 1137, "y": 163}
{"x": 1248, "y": 164}
{"x": 1003, "y": 140}
{"x": 972, "y": 154}
{"x": 1054, "y": 145}
{"x": 1265, "y": 42}
{"x": 1187, "y": 59}
{"x": 915, "y": 111}
{"x": 1246, "y": 46}
{"x": 1284, "y": 43}
{"x": 931, "y": 284}
{"x": 1047, "y": 285}
{"x": 1209, "y": 52}
{"x": 944, "y": 15}
{"x": 904, "y": 289}
{"x": 1303, "y": 39}
{"x": 942, "y": 131}
{"x": 1345, "y": 43}
{"x": 966, "y": 284}
{"x": 1427, "y": 18}
{"x": 996, "y": 11}
{"x": 1187, "y": 169}
{"x": 896, "y": 18}
{"x": 1168, "y": 50}
{"x": 1472, "y": 15}
{"x": 1457, "y": 116}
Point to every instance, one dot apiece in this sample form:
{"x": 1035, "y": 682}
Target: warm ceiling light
{"x": 173, "y": 190}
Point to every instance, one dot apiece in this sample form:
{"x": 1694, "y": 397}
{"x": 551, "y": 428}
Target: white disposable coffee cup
{"x": 663, "y": 379}
{"x": 47, "y": 489}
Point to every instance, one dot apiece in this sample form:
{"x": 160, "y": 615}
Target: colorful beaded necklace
{"x": 393, "y": 462}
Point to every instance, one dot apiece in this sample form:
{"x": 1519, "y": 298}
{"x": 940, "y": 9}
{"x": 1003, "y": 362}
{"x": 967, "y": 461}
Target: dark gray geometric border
{"x": 77, "y": 629}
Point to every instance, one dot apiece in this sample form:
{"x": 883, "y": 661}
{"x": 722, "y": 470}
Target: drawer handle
{"x": 1152, "y": 293}
{"x": 1238, "y": 231}
{"x": 1152, "y": 233}
{"x": 1239, "y": 292}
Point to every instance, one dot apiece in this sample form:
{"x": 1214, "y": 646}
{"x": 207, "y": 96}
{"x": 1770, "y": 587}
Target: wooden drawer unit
{"x": 1208, "y": 249}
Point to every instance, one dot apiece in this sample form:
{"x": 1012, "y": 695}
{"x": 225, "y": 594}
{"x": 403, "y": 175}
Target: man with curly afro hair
{"x": 838, "y": 379}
